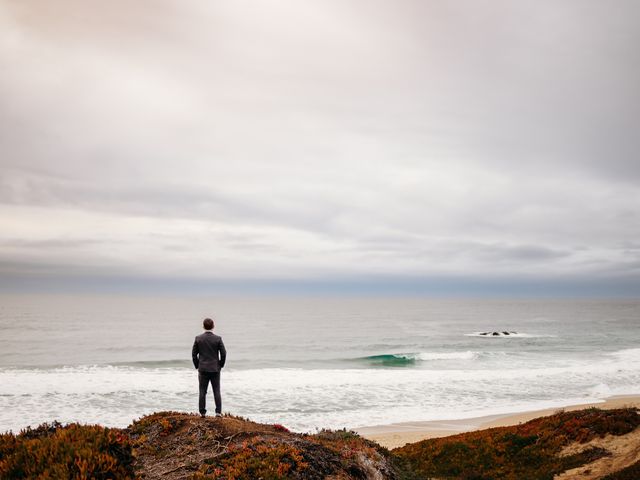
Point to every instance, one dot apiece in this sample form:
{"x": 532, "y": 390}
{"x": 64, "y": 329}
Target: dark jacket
{"x": 208, "y": 352}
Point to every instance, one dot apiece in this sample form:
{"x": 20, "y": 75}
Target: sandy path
{"x": 624, "y": 449}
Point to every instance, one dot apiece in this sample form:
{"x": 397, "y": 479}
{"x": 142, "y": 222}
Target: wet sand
{"x": 398, "y": 434}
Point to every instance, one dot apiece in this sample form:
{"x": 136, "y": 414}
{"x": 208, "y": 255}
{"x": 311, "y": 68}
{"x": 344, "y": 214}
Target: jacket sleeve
{"x": 194, "y": 353}
{"x": 223, "y": 353}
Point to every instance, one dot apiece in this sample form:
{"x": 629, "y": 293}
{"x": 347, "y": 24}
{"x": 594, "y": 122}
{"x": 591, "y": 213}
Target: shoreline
{"x": 398, "y": 434}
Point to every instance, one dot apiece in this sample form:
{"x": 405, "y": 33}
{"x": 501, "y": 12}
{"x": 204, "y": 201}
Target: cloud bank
{"x": 419, "y": 146}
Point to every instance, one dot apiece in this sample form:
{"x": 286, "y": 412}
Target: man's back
{"x": 208, "y": 353}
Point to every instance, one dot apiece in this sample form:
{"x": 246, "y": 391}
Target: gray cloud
{"x": 318, "y": 140}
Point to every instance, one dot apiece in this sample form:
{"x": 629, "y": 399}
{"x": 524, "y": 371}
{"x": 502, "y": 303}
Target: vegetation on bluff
{"x": 174, "y": 446}
{"x": 53, "y": 451}
{"x": 533, "y": 450}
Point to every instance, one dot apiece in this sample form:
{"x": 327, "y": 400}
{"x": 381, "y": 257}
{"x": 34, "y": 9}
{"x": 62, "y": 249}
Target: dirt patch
{"x": 178, "y": 446}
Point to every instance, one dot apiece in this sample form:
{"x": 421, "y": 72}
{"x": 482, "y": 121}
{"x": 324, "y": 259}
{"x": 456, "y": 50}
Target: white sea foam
{"x": 631, "y": 354}
{"x": 305, "y": 399}
{"x": 428, "y": 356}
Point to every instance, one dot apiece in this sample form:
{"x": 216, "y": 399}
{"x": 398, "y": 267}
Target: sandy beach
{"x": 398, "y": 434}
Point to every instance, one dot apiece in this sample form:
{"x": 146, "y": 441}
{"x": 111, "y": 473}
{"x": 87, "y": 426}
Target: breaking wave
{"x": 402, "y": 359}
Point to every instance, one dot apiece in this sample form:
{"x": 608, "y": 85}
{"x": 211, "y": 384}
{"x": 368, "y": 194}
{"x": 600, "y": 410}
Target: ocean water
{"x": 310, "y": 363}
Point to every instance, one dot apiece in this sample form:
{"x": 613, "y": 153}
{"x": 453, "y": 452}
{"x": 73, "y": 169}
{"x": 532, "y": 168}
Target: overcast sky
{"x": 437, "y": 146}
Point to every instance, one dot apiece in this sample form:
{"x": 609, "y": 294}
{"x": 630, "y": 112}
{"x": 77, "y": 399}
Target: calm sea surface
{"x": 311, "y": 362}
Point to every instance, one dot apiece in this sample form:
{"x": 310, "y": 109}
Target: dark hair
{"x": 208, "y": 324}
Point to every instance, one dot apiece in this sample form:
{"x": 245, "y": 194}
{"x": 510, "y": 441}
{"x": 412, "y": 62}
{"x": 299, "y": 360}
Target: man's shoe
{"x": 203, "y": 415}
{"x": 218, "y": 414}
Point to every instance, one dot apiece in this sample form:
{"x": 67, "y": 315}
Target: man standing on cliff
{"x": 208, "y": 356}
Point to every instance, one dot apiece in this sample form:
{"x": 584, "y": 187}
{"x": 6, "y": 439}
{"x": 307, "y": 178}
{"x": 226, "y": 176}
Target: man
{"x": 208, "y": 356}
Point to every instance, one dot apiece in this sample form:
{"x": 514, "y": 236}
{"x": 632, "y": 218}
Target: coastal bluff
{"x": 585, "y": 444}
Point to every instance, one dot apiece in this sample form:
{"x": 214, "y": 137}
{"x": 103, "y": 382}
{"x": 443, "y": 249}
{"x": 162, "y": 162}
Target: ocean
{"x": 311, "y": 363}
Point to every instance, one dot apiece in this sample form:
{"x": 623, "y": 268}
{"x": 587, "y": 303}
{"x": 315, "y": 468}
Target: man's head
{"x": 207, "y": 324}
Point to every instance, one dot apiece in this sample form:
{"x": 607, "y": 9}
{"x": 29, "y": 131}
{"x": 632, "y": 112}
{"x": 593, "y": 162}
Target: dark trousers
{"x": 203, "y": 379}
